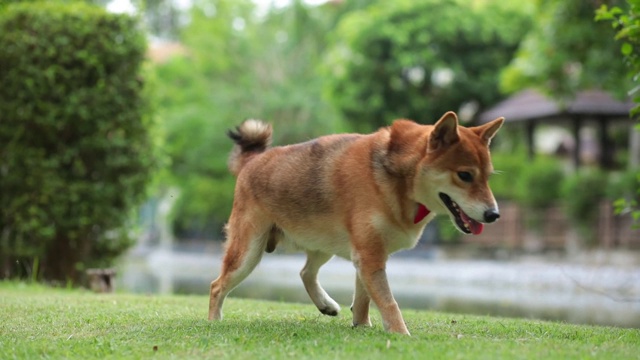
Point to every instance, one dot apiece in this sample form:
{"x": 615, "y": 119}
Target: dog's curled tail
{"x": 251, "y": 137}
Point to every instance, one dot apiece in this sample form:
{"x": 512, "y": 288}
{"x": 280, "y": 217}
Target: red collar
{"x": 421, "y": 213}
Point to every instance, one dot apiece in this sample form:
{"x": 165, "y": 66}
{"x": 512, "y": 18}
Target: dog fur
{"x": 360, "y": 197}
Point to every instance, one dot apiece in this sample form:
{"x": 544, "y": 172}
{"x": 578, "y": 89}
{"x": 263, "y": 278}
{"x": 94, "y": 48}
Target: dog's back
{"x": 297, "y": 178}
{"x": 297, "y": 188}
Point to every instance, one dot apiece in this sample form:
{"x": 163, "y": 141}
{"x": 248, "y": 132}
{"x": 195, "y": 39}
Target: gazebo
{"x": 532, "y": 108}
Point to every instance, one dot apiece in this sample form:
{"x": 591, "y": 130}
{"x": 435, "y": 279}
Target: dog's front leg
{"x": 360, "y": 305}
{"x": 370, "y": 264}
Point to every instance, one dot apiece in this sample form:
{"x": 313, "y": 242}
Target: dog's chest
{"x": 398, "y": 237}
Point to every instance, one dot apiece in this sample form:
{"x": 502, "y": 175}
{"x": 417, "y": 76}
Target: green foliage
{"x": 40, "y": 322}
{"x": 162, "y": 17}
{"x": 508, "y": 166}
{"x": 623, "y": 185}
{"x": 419, "y": 59}
{"x": 625, "y": 191}
{"x": 582, "y": 193}
{"x": 539, "y": 183}
{"x": 76, "y": 146}
{"x": 566, "y": 51}
{"x": 627, "y": 25}
{"x": 5, "y": 3}
{"x": 447, "y": 232}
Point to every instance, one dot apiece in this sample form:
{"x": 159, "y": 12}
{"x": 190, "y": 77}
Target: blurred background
{"x": 113, "y": 148}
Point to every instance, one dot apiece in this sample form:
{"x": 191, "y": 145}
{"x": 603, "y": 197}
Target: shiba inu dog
{"x": 360, "y": 197}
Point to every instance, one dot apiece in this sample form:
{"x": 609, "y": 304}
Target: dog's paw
{"x": 329, "y": 307}
{"x": 329, "y": 311}
{"x": 364, "y": 324}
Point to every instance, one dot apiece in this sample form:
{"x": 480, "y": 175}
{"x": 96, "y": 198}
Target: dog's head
{"x": 452, "y": 175}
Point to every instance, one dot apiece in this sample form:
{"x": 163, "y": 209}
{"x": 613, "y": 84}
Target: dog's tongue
{"x": 475, "y": 227}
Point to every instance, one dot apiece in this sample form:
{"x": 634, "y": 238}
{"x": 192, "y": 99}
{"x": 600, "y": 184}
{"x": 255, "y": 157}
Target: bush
{"x": 76, "y": 146}
{"x": 508, "y": 166}
{"x": 447, "y": 232}
{"x": 538, "y": 186}
{"x": 624, "y": 185}
{"x": 201, "y": 198}
{"x": 582, "y": 193}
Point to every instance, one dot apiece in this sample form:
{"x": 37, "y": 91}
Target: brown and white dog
{"x": 361, "y": 197}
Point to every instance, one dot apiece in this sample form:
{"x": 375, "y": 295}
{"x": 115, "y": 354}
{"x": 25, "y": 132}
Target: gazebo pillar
{"x": 576, "y": 125}
{"x": 605, "y": 150}
{"x": 530, "y": 129}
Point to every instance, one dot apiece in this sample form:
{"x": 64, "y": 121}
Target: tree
{"x": 77, "y": 147}
{"x": 627, "y": 25}
{"x": 566, "y": 51}
{"x": 419, "y": 59}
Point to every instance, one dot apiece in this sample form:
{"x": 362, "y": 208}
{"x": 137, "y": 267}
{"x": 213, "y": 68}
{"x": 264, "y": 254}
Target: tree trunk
{"x": 61, "y": 260}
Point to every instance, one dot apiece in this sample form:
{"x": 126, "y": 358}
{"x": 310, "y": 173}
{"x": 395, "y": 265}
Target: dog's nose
{"x": 491, "y": 215}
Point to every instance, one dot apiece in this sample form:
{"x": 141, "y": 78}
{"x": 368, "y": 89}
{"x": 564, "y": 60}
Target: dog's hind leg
{"x": 309, "y": 275}
{"x": 246, "y": 242}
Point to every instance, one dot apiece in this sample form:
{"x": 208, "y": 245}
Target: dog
{"x": 360, "y": 197}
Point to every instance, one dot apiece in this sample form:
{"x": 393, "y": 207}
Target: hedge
{"x": 76, "y": 136}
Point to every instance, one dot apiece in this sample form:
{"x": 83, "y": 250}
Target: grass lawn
{"x": 40, "y": 322}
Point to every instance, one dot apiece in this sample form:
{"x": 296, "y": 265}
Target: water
{"x": 598, "y": 295}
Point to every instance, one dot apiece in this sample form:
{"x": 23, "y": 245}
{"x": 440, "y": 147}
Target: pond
{"x": 594, "y": 294}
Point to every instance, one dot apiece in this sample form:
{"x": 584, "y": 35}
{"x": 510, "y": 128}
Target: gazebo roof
{"x": 531, "y": 105}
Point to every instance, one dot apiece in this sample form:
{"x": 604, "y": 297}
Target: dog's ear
{"x": 445, "y": 132}
{"x": 488, "y": 130}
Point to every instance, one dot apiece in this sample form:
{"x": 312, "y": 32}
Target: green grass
{"x": 40, "y": 322}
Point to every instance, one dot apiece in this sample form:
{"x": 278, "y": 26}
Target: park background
{"x": 565, "y": 249}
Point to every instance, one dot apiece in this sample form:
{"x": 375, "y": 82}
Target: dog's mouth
{"x": 463, "y": 221}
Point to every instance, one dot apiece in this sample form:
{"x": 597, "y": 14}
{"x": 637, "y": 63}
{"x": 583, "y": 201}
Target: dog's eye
{"x": 465, "y": 176}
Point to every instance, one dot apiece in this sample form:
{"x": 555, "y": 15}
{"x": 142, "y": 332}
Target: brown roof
{"x": 530, "y": 105}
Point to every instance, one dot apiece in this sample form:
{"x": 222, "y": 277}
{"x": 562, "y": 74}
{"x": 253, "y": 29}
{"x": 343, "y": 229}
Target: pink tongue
{"x": 475, "y": 227}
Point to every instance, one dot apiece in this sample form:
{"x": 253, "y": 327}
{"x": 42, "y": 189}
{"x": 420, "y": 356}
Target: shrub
{"x": 447, "y": 232}
{"x": 76, "y": 144}
{"x": 538, "y": 186}
{"x": 508, "y": 165}
{"x": 582, "y": 193}
{"x": 624, "y": 190}
{"x": 624, "y": 185}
